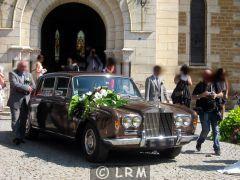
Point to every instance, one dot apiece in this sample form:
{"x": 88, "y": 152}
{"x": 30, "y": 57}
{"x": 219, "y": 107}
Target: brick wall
{"x": 222, "y": 38}
{"x": 182, "y": 18}
{"x": 182, "y": 43}
{"x": 226, "y": 44}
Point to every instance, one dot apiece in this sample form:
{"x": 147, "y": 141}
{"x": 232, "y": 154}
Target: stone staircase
{"x": 5, "y": 114}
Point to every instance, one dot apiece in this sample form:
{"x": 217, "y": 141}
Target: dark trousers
{"x": 209, "y": 119}
{"x": 19, "y": 118}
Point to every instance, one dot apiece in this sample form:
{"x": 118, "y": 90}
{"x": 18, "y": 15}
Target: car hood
{"x": 140, "y": 106}
{"x": 144, "y": 107}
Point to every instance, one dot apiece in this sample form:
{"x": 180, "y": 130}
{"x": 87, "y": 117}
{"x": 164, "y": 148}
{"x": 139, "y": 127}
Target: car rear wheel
{"x": 30, "y": 132}
{"x": 93, "y": 148}
{"x": 170, "y": 153}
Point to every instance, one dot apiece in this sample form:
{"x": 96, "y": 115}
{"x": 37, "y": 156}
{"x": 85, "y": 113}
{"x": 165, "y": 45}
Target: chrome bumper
{"x": 159, "y": 141}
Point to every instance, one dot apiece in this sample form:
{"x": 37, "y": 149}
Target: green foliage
{"x": 229, "y": 125}
{"x": 91, "y": 100}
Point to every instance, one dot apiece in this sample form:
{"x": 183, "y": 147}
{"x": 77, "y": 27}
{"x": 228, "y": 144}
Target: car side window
{"x": 62, "y": 86}
{"x": 48, "y": 86}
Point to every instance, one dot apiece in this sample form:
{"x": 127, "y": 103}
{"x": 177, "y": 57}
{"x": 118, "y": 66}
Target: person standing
{"x": 181, "y": 94}
{"x": 2, "y": 86}
{"x": 94, "y": 64}
{"x": 39, "y": 67}
{"x": 21, "y": 86}
{"x": 222, "y": 82}
{"x": 154, "y": 87}
{"x": 75, "y": 66}
{"x": 71, "y": 65}
{"x": 111, "y": 66}
{"x": 206, "y": 94}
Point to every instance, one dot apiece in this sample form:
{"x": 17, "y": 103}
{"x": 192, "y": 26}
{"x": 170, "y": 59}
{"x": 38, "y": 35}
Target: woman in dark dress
{"x": 181, "y": 94}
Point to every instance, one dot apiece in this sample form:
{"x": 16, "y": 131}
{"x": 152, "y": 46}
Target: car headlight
{"x": 127, "y": 122}
{"x": 131, "y": 121}
{"x": 182, "y": 120}
{"x": 178, "y": 121}
{"x": 136, "y": 121}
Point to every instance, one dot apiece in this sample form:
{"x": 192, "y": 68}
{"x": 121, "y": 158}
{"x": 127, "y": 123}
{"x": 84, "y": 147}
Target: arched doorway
{"x": 70, "y": 30}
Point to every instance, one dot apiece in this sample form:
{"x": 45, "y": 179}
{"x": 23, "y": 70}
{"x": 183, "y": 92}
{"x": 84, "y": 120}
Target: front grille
{"x": 157, "y": 124}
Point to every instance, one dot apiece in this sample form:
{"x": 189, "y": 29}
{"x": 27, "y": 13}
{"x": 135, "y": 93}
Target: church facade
{"x": 138, "y": 33}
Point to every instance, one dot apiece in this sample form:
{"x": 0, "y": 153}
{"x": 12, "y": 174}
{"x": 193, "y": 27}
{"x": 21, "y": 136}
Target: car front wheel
{"x": 93, "y": 148}
{"x": 170, "y": 153}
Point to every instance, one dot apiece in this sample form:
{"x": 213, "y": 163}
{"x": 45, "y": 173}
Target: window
{"x": 198, "y": 30}
{"x": 80, "y": 44}
{"x": 48, "y": 86}
{"x": 57, "y": 45}
{"x": 122, "y": 86}
{"x": 62, "y": 87}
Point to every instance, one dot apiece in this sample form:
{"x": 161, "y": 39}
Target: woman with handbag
{"x": 181, "y": 94}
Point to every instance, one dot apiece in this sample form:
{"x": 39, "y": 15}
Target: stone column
{"x": 118, "y": 57}
{"x": 123, "y": 60}
{"x": 109, "y": 53}
{"x": 126, "y": 61}
{"x": 17, "y": 53}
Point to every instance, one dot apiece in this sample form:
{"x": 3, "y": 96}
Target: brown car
{"x": 139, "y": 125}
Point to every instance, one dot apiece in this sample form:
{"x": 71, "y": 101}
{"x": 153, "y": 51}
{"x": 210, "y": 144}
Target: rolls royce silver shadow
{"x": 138, "y": 125}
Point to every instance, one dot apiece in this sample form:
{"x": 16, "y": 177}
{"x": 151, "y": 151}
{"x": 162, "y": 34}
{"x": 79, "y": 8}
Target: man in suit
{"x": 154, "y": 87}
{"x": 21, "y": 86}
{"x": 94, "y": 64}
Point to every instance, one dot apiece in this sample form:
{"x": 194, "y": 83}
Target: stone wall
{"x": 138, "y": 37}
{"x": 167, "y": 38}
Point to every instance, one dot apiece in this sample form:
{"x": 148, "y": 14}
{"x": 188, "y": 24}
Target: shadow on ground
{"x": 227, "y": 162}
{"x": 195, "y": 152}
{"x": 68, "y": 153}
{"x": 203, "y": 167}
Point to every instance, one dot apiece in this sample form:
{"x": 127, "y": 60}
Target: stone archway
{"x": 36, "y": 11}
{"x": 29, "y": 16}
{"x": 65, "y": 22}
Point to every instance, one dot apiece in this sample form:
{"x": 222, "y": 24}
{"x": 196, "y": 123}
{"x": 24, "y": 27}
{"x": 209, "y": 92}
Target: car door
{"x": 60, "y": 106}
{"x": 45, "y": 99}
{"x": 35, "y": 100}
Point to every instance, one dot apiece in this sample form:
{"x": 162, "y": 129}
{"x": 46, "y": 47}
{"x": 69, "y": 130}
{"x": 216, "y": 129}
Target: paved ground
{"x": 54, "y": 158}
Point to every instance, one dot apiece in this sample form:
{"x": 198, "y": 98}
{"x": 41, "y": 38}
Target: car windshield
{"x": 122, "y": 86}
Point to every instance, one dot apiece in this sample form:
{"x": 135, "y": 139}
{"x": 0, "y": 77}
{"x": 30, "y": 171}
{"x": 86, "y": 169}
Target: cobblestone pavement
{"x": 54, "y": 158}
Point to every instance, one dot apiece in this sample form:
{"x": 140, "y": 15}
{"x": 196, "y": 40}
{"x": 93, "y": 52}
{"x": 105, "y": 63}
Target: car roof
{"x": 74, "y": 74}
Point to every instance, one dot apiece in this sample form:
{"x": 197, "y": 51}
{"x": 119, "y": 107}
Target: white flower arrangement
{"x": 91, "y": 100}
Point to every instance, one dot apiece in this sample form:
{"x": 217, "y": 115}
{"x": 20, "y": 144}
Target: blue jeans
{"x": 209, "y": 119}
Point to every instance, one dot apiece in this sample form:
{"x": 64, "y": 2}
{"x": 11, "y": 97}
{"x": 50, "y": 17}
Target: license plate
{"x": 161, "y": 143}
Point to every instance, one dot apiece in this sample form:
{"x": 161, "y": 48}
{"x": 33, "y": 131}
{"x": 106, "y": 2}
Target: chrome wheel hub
{"x": 90, "y": 141}
{"x": 27, "y": 126}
